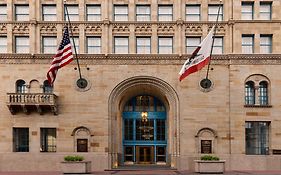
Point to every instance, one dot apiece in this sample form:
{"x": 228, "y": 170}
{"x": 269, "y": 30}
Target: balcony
{"x": 30, "y": 102}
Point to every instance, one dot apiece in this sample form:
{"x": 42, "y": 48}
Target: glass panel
{"x": 22, "y": 45}
{"x": 257, "y": 138}
{"x": 3, "y": 44}
{"x": 144, "y": 130}
{"x": 250, "y": 93}
{"x": 121, "y": 13}
{"x": 22, "y": 12}
{"x": 213, "y": 12}
{"x": 247, "y": 44}
{"x": 73, "y": 13}
{"x": 48, "y": 140}
{"x": 165, "y": 45}
{"x": 247, "y": 11}
{"x": 165, "y": 13}
{"x": 94, "y": 45}
{"x": 265, "y": 44}
{"x": 218, "y": 45}
{"x": 76, "y": 40}
{"x": 143, "y": 45}
{"x": 265, "y": 11}
{"x": 128, "y": 129}
{"x": 128, "y": 153}
{"x": 3, "y": 13}
{"x": 161, "y": 153}
{"x": 143, "y": 13}
{"x": 263, "y": 96}
{"x": 192, "y": 43}
{"x": 93, "y": 12}
{"x": 20, "y": 139}
{"x": 49, "y": 45}
{"x": 49, "y": 13}
{"x": 47, "y": 88}
{"x": 193, "y": 12}
{"x": 161, "y": 125}
{"x": 121, "y": 45}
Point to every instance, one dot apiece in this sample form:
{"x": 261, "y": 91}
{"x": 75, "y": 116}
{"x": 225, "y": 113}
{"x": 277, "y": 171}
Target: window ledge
{"x": 258, "y": 106}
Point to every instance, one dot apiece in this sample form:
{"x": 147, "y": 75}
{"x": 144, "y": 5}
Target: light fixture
{"x": 144, "y": 117}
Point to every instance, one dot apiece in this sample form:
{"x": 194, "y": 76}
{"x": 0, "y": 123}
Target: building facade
{"x": 133, "y": 110}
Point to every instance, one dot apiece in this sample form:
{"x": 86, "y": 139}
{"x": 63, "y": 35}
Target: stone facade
{"x": 95, "y": 113}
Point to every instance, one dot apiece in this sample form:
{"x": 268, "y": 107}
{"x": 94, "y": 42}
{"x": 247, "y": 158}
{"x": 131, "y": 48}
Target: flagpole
{"x": 213, "y": 41}
{"x": 77, "y": 61}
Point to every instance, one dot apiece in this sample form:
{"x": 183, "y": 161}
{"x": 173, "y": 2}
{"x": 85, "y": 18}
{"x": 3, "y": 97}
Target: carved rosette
{"x": 3, "y": 28}
{"x": 48, "y": 29}
{"x": 120, "y": 28}
{"x": 193, "y": 29}
{"x": 21, "y": 28}
{"x": 93, "y": 29}
{"x": 165, "y": 29}
{"x": 143, "y": 29}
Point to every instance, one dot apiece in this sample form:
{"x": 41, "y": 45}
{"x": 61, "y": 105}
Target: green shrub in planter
{"x": 209, "y": 158}
{"x": 73, "y": 158}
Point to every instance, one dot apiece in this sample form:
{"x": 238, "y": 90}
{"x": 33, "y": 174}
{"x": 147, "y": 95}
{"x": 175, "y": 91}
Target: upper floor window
{"x": 3, "y": 12}
{"x": 93, "y": 44}
{"x": 213, "y": 12}
{"x": 257, "y": 138}
{"x": 165, "y": 45}
{"x": 20, "y": 86}
{"x": 165, "y": 13}
{"x": 3, "y": 44}
{"x": 265, "y": 10}
{"x": 143, "y": 12}
{"x": 76, "y": 42}
{"x": 218, "y": 45}
{"x": 143, "y": 45}
{"x": 192, "y": 43}
{"x": 48, "y": 140}
{"x": 49, "y": 44}
{"x": 247, "y": 44}
{"x": 121, "y": 13}
{"x": 20, "y": 139}
{"x": 93, "y": 12}
{"x": 192, "y": 12}
{"x": 21, "y": 44}
{"x": 49, "y": 12}
{"x": 21, "y": 12}
{"x": 247, "y": 11}
{"x": 121, "y": 45}
{"x": 47, "y": 88}
{"x": 73, "y": 12}
{"x": 265, "y": 43}
{"x": 257, "y": 90}
{"x": 249, "y": 93}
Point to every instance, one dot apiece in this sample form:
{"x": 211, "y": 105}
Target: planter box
{"x": 203, "y": 166}
{"x": 76, "y": 167}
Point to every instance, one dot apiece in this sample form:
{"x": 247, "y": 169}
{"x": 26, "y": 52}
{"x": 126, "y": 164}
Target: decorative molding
{"x": 95, "y": 29}
{"x": 48, "y": 28}
{"x": 120, "y": 28}
{"x": 20, "y": 28}
{"x": 165, "y": 29}
{"x": 143, "y": 29}
{"x": 193, "y": 29}
{"x": 221, "y": 28}
{"x": 134, "y": 59}
{"x": 3, "y": 28}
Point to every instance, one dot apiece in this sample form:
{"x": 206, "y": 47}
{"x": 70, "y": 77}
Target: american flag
{"x": 63, "y": 57}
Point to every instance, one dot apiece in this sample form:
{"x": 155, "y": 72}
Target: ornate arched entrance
{"x": 132, "y": 88}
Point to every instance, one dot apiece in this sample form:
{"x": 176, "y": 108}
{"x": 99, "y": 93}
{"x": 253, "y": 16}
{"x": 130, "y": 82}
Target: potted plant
{"x": 209, "y": 164}
{"x": 75, "y": 164}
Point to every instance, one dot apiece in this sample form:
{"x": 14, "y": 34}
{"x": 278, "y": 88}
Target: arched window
{"x": 20, "y": 86}
{"x": 249, "y": 93}
{"x": 82, "y": 137}
{"x": 47, "y": 88}
{"x": 263, "y": 93}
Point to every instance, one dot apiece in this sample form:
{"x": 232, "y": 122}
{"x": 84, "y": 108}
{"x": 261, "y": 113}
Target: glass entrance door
{"x": 145, "y": 154}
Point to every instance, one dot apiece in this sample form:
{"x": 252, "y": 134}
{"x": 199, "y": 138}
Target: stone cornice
{"x": 149, "y": 59}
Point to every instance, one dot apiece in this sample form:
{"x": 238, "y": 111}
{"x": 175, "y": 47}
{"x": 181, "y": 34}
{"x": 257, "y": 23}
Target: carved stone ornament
{"x": 93, "y": 29}
{"x": 143, "y": 29}
{"x": 121, "y": 28}
{"x": 21, "y": 28}
{"x": 193, "y": 29}
{"x": 3, "y": 28}
{"x": 48, "y": 28}
{"x": 165, "y": 29}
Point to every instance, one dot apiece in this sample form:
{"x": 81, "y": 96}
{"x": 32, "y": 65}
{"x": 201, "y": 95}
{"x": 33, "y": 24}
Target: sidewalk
{"x": 146, "y": 172}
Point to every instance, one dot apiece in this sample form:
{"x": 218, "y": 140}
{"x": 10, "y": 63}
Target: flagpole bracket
{"x": 82, "y": 83}
{"x": 206, "y": 84}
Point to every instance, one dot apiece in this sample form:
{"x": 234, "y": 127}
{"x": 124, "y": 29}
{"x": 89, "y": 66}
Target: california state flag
{"x": 199, "y": 58}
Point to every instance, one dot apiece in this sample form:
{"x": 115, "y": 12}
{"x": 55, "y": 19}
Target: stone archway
{"x": 142, "y": 85}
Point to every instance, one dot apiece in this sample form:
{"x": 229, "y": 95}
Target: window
{"x": 3, "y": 44}
{"x": 94, "y": 44}
{"x": 165, "y": 13}
{"x": 121, "y": 45}
{"x": 249, "y": 93}
{"x": 143, "y": 45}
{"x": 49, "y": 12}
{"x": 47, "y": 88}
{"x": 48, "y": 140}
{"x": 143, "y": 13}
{"x": 265, "y": 10}
{"x": 263, "y": 93}
{"x": 76, "y": 42}
{"x": 3, "y": 12}
{"x": 120, "y": 12}
{"x": 93, "y": 12}
{"x": 49, "y": 44}
{"x": 265, "y": 43}
{"x": 20, "y": 139}
{"x": 20, "y": 86}
{"x": 218, "y": 45}
{"x": 165, "y": 45}
{"x": 247, "y": 44}
{"x": 82, "y": 145}
{"x": 213, "y": 12}
{"x": 73, "y": 13}
{"x": 192, "y": 13}
{"x": 247, "y": 10}
{"x": 21, "y": 12}
{"x": 257, "y": 138}
{"x": 22, "y": 44}
{"x": 192, "y": 43}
